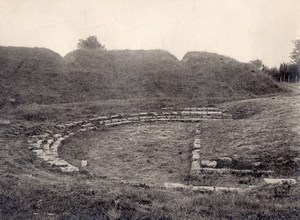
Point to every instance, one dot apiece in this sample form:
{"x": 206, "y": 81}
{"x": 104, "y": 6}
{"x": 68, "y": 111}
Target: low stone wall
{"x": 46, "y": 145}
{"x": 201, "y": 166}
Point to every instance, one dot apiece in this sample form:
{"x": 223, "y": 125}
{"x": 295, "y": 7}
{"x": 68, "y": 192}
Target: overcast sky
{"x": 242, "y": 29}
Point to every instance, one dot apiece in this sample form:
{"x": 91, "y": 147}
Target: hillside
{"x": 30, "y": 75}
{"x": 219, "y": 76}
{"x": 38, "y": 75}
{"x": 126, "y": 74}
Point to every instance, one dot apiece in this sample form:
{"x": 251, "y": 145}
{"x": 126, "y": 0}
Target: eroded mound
{"x": 37, "y": 75}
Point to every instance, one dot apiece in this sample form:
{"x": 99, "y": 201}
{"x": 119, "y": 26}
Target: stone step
{"x": 69, "y": 169}
{"x": 235, "y": 171}
{"x": 196, "y": 155}
{"x": 274, "y": 181}
{"x": 205, "y": 189}
{"x": 196, "y": 144}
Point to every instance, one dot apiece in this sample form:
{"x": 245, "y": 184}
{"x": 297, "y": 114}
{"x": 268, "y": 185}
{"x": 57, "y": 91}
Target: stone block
{"x": 197, "y": 144}
{"x": 39, "y": 152}
{"x": 87, "y": 125}
{"x": 274, "y": 181}
{"x": 83, "y": 163}
{"x": 58, "y": 163}
{"x": 101, "y": 118}
{"x": 93, "y": 119}
{"x": 209, "y": 163}
{"x": 115, "y": 116}
{"x": 146, "y": 118}
{"x": 60, "y": 127}
{"x": 153, "y": 114}
{"x": 80, "y": 122}
{"x": 229, "y": 189}
{"x": 70, "y": 125}
{"x": 47, "y": 157}
{"x": 46, "y": 146}
{"x": 133, "y": 118}
{"x": 215, "y": 171}
{"x": 203, "y": 189}
{"x": 53, "y": 147}
{"x": 195, "y": 155}
{"x": 215, "y": 113}
{"x": 195, "y": 167}
{"x": 126, "y": 122}
{"x": 185, "y": 113}
{"x": 162, "y": 119}
{"x": 69, "y": 169}
{"x": 116, "y": 123}
{"x": 43, "y": 135}
{"x": 35, "y": 146}
{"x": 50, "y": 141}
{"x": 176, "y": 186}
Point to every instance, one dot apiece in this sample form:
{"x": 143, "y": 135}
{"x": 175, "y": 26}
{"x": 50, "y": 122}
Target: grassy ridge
{"x": 37, "y": 75}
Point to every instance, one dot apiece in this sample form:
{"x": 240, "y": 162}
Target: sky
{"x": 242, "y": 29}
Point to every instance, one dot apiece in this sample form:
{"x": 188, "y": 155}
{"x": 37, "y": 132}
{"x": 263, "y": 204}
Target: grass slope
{"x": 215, "y": 75}
{"x": 37, "y": 75}
{"x": 30, "y": 75}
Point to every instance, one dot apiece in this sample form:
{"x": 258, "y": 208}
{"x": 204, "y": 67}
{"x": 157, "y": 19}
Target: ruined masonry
{"x": 46, "y": 145}
{"x": 220, "y": 166}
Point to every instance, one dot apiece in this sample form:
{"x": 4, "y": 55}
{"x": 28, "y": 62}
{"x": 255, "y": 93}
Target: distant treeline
{"x": 286, "y": 73}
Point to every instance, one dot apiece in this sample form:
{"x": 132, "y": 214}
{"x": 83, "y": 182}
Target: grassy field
{"x": 146, "y": 153}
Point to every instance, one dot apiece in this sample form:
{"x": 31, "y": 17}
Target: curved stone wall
{"x": 46, "y": 145}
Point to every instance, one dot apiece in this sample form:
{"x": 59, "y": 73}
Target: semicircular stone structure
{"x": 46, "y": 145}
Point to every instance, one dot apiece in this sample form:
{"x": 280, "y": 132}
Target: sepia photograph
{"x": 149, "y": 109}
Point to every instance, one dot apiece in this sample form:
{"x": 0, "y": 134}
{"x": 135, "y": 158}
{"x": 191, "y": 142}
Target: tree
{"x": 283, "y": 72}
{"x": 295, "y": 54}
{"x": 257, "y": 63}
{"x": 90, "y": 43}
{"x": 273, "y": 72}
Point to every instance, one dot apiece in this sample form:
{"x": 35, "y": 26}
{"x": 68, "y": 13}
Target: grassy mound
{"x": 126, "y": 74}
{"x": 30, "y": 75}
{"x": 215, "y": 75}
{"x": 37, "y": 75}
